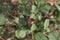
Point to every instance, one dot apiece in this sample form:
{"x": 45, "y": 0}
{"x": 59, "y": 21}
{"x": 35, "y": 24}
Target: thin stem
{"x": 32, "y": 35}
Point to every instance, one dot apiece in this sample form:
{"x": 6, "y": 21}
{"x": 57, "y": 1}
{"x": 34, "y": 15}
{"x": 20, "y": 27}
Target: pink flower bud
{"x": 29, "y": 19}
{"x": 51, "y": 3}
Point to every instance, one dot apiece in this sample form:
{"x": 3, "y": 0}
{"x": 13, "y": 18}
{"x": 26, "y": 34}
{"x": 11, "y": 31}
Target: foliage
{"x": 29, "y": 19}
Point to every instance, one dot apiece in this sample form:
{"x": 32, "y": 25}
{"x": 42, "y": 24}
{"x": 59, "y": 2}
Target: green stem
{"x": 32, "y": 35}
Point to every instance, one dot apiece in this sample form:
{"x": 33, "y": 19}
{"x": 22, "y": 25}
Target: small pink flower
{"x": 51, "y": 3}
{"x": 29, "y": 19}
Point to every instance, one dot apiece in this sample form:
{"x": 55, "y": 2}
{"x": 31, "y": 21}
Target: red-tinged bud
{"x": 29, "y": 19}
{"x": 51, "y": 3}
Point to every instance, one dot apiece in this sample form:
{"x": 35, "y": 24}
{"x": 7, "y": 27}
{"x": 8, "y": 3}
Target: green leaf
{"x": 22, "y": 1}
{"x": 46, "y": 23}
{"x": 47, "y": 29}
{"x": 32, "y": 15}
{"x": 40, "y": 36}
{"x": 16, "y": 20}
{"x": 33, "y": 8}
{"x": 17, "y": 33}
{"x": 21, "y": 8}
{"x": 45, "y": 7}
{"x": 6, "y": 8}
{"x": 23, "y": 22}
{"x": 1, "y": 30}
{"x": 2, "y": 19}
{"x": 52, "y": 36}
{"x": 22, "y": 33}
{"x": 58, "y": 7}
{"x": 56, "y": 13}
{"x": 39, "y": 16}
{"x": 33, "y": 27}
{"x": 59, "y": 38}
{"x": 28, "y": 32}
